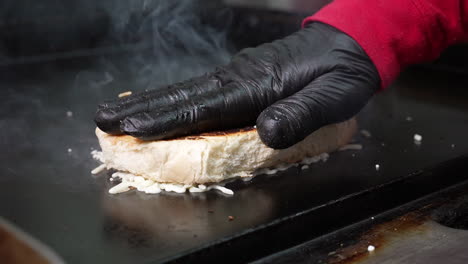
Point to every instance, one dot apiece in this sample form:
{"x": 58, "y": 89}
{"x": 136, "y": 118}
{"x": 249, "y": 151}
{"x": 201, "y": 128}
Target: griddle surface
{"x": 49, "y": 191}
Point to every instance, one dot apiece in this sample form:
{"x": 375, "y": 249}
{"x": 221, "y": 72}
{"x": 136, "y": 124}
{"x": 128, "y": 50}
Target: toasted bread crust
{"x": 132, "y": 140}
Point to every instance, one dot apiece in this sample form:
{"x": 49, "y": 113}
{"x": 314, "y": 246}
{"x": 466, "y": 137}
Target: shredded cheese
{"x": 148, "y": 186}
{"x": 129, "y": 180}
{"x": 127, "y": 93}
{"x": 99, "y": 169}
{"x": 366, "y": 133}
{"x": 417, "y": 138}
{"x": 351, "y": 147}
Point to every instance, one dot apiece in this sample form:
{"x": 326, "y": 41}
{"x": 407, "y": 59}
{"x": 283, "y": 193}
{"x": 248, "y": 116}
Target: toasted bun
{"x": 213, "y": 157}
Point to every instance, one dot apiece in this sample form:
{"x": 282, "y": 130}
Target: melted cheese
{"x": 130, "y": 181}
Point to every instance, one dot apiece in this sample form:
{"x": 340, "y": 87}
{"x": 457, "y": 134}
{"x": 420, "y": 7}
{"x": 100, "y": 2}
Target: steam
{"x": 165, "y": 40}
{"x": 175, "y": 43}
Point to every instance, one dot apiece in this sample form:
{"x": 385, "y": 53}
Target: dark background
{"x": 51, "y": 29}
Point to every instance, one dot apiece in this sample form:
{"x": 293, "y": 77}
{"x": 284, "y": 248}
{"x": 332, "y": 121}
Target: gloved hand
{"x": 290, "y": 87}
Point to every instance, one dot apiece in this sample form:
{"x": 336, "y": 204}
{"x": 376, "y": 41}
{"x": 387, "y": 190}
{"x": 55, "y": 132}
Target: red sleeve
{"x": 397, "y": 33}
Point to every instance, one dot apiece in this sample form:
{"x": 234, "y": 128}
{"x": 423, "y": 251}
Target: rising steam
{"x": 181, "y": 44}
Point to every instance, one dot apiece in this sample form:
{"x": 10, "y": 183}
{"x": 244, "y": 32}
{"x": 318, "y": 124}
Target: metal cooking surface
{"x": 47, "y": 189}
{"x": 429, "y": 230}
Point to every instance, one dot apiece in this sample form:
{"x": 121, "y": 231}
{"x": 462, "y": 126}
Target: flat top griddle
{"x": 46, "y": 187}
{"x": 432, "y": 229}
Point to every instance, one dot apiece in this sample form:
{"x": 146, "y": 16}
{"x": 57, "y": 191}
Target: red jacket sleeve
{"x": 397, "y": 33}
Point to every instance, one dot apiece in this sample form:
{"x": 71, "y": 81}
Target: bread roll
{"x": 213, "y": 157}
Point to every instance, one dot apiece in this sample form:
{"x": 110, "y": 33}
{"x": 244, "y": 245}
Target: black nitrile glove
{"x": 291, "y": 87}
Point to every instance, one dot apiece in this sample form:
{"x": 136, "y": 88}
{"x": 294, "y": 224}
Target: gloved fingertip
{"x": 107, "y": 120}
{"x": 273, "y": 130}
